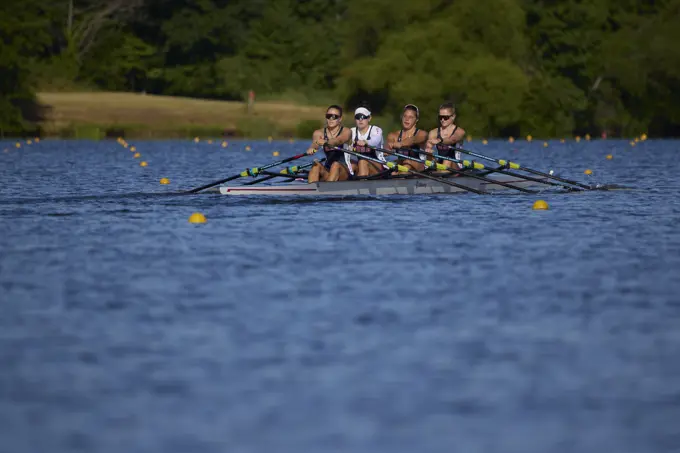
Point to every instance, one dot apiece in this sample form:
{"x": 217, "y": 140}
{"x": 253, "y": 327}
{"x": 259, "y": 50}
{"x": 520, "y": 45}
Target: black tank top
{"x": 411, "y": 151}
{"x": 446, "y": 150}
{"x": 331, "y": 154}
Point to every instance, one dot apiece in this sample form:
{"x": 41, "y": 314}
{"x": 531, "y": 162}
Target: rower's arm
{"x": 391, "y": 140}
{"x": 317, "y": 140}
{"x": 420, "y": 138}
{"x": 431, "y": 140}
{"x": 455, "y": 137}
{"x": 342, "y": 138}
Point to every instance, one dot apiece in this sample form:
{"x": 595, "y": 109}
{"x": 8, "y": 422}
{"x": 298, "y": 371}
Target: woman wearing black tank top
{"x": 446, "y": 136}
{"x": 409, "y": 139}
{"x": 334, "y": 135}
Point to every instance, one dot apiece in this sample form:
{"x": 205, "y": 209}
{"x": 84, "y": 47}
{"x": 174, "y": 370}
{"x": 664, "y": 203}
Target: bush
{"x": 306, "y": 128}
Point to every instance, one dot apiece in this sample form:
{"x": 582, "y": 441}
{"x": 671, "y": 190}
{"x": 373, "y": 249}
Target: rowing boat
{"x": 392, "y": 186}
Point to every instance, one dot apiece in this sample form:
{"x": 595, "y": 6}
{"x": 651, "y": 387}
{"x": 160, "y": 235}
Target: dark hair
{"x": 448, "y": 106}
{"x": 412, "y": 108}
{"x": 336, "y": 107}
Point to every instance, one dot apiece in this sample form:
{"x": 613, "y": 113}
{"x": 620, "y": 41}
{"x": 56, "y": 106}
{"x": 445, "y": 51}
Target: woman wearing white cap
{"x": 365, "y": 139}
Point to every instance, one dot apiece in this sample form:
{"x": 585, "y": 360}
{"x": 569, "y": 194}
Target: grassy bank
{"x": 102, "y": 114}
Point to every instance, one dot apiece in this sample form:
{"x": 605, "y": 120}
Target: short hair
{"x": 448, "y": 106}
{"x": 336, "y": 107}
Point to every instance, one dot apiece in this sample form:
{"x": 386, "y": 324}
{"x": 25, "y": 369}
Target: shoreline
{"x": 101, "y": 115}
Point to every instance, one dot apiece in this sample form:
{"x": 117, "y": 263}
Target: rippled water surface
{"x": 380, "y": 324}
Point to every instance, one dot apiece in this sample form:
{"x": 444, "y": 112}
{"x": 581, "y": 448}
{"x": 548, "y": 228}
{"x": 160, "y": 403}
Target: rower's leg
{"x": 363, "y": 168}
{"x": 338, "y": 172}
{"x": 453, "y": 165}
{"x": 374, "y": 168}
{"x": 315, "y": 173}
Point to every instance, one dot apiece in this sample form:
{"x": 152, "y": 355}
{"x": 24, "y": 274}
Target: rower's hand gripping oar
{"x": 403, "y": 169}
{"x": 248, "y": 172}
{"x": 517, "y": 166}
{"x": 465, "y": 163}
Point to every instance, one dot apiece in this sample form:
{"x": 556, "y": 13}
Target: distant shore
{"x": 99, "y": 115}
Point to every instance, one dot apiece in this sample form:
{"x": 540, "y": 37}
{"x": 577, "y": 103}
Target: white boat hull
{"x": 406, "y": 186}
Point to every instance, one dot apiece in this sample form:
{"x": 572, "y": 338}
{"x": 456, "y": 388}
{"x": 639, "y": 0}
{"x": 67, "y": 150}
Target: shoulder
{"x": 433, "y": 131}
{"x": 377, "y": 129}
{"x": 422, "y": 132}
{"x": 393, "y": 134}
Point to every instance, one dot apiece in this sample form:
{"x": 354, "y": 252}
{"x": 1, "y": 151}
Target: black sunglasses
{"x": 444, "y": 117}
{"x": 332, "y": 116}
{"x": 361, "y": 116}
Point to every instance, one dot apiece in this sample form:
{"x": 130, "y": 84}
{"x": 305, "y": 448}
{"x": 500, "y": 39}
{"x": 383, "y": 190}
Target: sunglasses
{"x": 361, "y": 116}
{"x": 331, "y": 116}
{"x": 445, "y": 117}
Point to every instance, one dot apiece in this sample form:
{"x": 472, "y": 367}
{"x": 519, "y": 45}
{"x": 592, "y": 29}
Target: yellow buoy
{"x": 643, "y": 137}
{"x": 197, "y": 217}
{"x": 577, "y": 138}
{"x": 469, "y": 138}
{"x": 17, "y": 145}
{"x": 133, "y": 149}
{"x": 37, "y": 139}
{"x": 275, "y": 153}
{"x": 562, "y": 140}
{"x": 209, "y": 142}
{"x": 511, "y": 139}
{"x": 247, "y": 147}
{"x": 485, "y": 142}
{"x": 588, "y": 171}
{"x": 270, "y": 139}
{"x": 545, "y": 144}
{"x": 29, "y": 142}
{"x": 291, "y": 141}
{"x": 196, "y": 139}
{"x": 632, "y": 143}
{"x": 224, "y": 144}
{"x": 609, "y": 157}
{"x": 143, "y": 163}
{"x": 165, "y": 181}
{"x": 529, "y": 138}
{"x": 540, "y": 205}
{"x": 125, "y": 145}
{"x": 587, "y": 137}
{"x": 137, "y": 155}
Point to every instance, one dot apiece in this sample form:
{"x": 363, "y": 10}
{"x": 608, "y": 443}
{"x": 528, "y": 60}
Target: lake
{"x": 432, "y": 323}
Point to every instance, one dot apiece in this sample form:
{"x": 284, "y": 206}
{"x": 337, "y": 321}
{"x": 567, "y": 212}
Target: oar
{"x": 517, "y": 166}
{"x": 403, "y": 169}
{"x": 477, "y": 165}
{"x": 288, "y": 172}
{"x": 248, "y": 172}
{"x": 441, "y": 167}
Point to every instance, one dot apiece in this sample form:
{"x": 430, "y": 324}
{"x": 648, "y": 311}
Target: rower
{"x": 332, "y": 136}
{"x": 447, "y": 137}
{"x": 365, "y": 138}
{"x": 409, "y": 139}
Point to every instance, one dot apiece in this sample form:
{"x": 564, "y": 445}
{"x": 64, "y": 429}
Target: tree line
{"x": 513, "y": 67}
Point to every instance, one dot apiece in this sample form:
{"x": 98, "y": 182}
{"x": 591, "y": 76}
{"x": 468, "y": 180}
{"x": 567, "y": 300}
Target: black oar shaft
{"x": 291, "y": 175}
{"x": 528, "y": 170}
{"x": 458, "y": 172}
{"x": 246, "y": 173}
{"x": 423, "y": 175}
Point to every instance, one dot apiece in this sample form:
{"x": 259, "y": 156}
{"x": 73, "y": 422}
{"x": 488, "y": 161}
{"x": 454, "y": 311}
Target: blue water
{"x": 387, "y": 324}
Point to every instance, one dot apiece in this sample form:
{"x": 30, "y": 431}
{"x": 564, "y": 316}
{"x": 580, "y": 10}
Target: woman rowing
{"x": 332, "y": 136}
{"x": 365, "y": 139}
{"x": 447, "y": 136}
{"x": 409, "y": 139}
